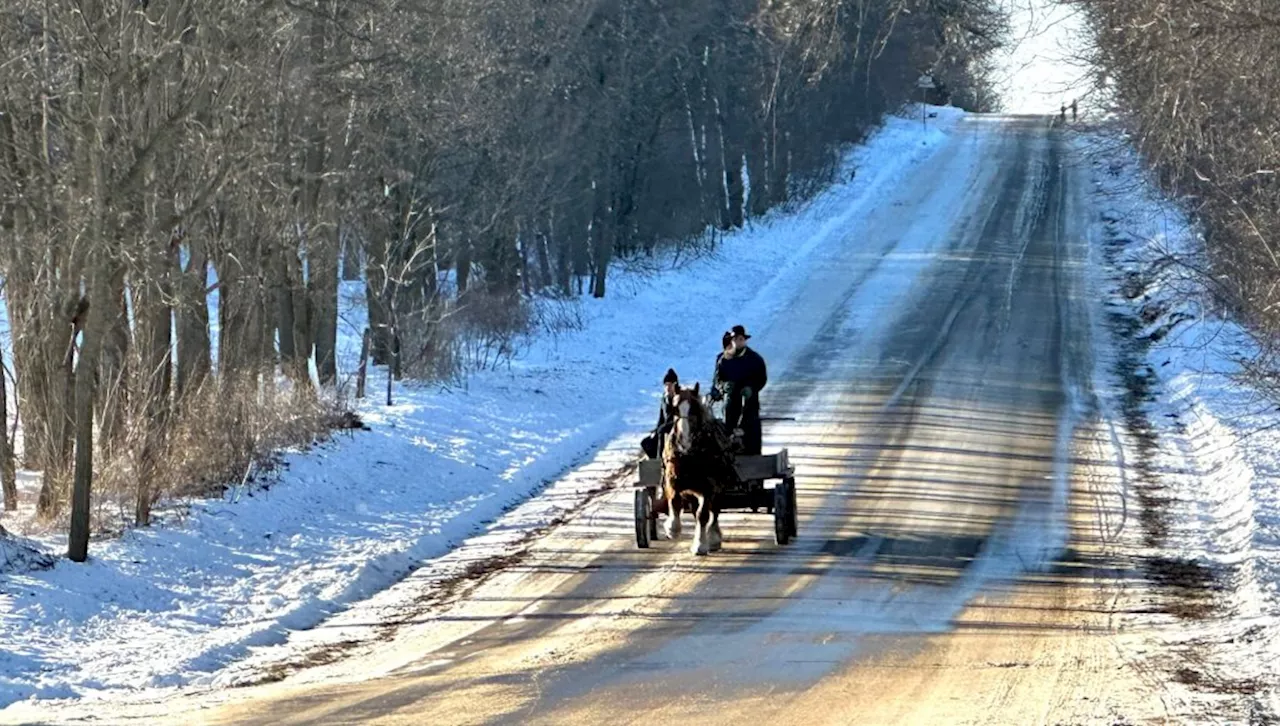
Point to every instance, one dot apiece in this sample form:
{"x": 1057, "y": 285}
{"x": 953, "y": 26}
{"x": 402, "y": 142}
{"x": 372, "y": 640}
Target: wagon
{"x": 748, "y": 493}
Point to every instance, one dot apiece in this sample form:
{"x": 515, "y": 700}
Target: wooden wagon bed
{"x": 749, "y": 493}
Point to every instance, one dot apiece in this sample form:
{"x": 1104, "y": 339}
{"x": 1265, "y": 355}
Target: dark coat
{"x": 652, "y": 444}
{"x": 734, "y": 375}
{"x": 664, "y": 412}
{"x": 742, "y": 370}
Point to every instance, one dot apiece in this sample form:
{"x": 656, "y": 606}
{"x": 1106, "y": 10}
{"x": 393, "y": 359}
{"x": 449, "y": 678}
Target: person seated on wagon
{"x": 717, "y": 382}
{"x": 740, "y": 376}
{"x": 652, "y": 444}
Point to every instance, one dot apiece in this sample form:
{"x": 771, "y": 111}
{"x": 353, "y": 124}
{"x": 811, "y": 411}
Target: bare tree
{"x": 460, "y": 156}
{"x": 1195, "y": 81}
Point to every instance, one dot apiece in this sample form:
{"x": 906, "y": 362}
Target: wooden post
{"x": 363, "y": 373}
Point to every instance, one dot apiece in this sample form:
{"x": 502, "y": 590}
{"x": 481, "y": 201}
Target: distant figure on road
{"x": 1074, "y": 110}
{"x": 1064, "y": 113}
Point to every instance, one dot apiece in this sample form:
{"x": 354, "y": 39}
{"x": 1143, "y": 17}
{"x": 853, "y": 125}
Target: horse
{"x": 696, "y": 467}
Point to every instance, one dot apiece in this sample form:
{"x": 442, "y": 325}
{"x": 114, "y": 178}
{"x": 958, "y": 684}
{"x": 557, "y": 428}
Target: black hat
{"x": 671, "y": 376}
{"x": 739, "y": 330}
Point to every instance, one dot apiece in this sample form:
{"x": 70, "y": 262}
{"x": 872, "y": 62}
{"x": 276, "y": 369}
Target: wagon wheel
{"x": 792, "y": 512}
{"x": 781, "y": 528}
{"x": 643, "y": 520}
{"x": 653, "y": 520}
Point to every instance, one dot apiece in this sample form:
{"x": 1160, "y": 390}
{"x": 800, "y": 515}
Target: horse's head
{"x": 689, "y": 415}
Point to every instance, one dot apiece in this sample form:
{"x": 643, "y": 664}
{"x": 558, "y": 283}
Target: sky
{"x": 1040, "y": 70}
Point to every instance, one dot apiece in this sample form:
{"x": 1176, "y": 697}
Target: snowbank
{"x": 176, "y": 605}
{"x": 1212, "y": 467}
{"x": 18, "y": 554}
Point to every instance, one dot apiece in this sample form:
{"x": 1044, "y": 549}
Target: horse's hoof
{"x": 698, "y": 551}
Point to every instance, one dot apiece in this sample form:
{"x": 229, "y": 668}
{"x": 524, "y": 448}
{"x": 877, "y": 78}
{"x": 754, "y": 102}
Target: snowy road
{"x": 958, "y": 558}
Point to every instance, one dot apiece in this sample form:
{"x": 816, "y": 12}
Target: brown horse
{"x": 696, "y": 465}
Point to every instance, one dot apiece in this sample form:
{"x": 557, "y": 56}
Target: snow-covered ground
{"x": 236, "y": 583}
{"x": 1203, "y": 448}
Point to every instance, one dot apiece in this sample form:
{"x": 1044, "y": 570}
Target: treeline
{"x": 1198, "y": 81}
{"x": 459, "y": 156}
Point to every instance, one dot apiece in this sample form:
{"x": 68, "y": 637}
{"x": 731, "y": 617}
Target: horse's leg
{"x": 672, "y": 525}
{"x": 699, "y": 546}
{"x": 714, "y": 538}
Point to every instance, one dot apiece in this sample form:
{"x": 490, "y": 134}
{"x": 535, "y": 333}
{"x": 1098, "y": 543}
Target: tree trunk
{"x": 32, "y": 367}
{"x": 697, "y": 149}
{"x": 85, "y": 375}
{"x": 523, "y": 238}
{"x": 377, "y": 292}
{"x": 41, "y": 321}
{"x": 731, "y": 149}
{"x": 566, "y": 254}
{"x": 757, "y": 168}
{"x": 155, "y": 321}
{"x": 113, "y": 376}
{"x": 350, "y": 258}
{"x": 602, "y": 243}
{"x": 297, "y": 366}
{"x": 735, "y": 190}
{"x": 55, "y": 367}
{"x": 462, "y": 264}
{"x": 502, "y": 266}
{"x": 362, "y": 373}
{"x": 283, "y": 293}
{"x": 264, "y": 366}
{"x": 779, "y": 168}
{"x": 235, "y": 303}
{"x": 715, "y": 160}
{"x": 325, "y": 247}
{"x": 8, "y": 471}
{"x": 323, "y": 289}
{"x": 194, "y": 351}
{"x": 315, "y": 294}
{"x": 542, "y": 244}
{"x": 246, "y": 319}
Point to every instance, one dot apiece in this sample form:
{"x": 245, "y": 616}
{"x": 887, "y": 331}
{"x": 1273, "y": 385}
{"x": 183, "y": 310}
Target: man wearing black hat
{"x": 652, "y": 444}
{"x": 740, "y": 376}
